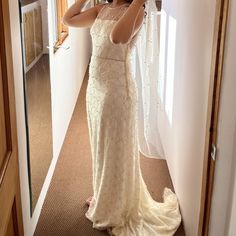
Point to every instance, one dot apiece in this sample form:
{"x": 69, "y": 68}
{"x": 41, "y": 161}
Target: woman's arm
{"x": 75, "y": 18}
{"x": 127, "y": 26}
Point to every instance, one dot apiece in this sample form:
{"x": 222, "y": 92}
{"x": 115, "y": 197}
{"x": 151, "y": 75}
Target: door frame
{"x": 220, "y": 26}
{"x": 11, "y": 208}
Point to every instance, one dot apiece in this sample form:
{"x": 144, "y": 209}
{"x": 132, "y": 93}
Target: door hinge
{"x": 213, "y": 151}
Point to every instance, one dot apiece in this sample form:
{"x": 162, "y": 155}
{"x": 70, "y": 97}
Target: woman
{"x": 121, "y": 202}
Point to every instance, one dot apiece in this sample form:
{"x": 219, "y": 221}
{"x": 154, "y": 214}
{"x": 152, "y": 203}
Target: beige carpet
{"x": 64, "y": 208}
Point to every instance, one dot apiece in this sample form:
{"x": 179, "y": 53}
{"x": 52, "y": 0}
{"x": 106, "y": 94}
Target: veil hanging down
{"x": 147, "y": 76}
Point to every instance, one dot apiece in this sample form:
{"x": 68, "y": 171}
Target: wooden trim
{"x": 4, "y": 67}
{"x": 213, "y": 113}
{"x": 3, "y": 168}
{"x": 61, "y": 39}
{"x": 62, "y": 30}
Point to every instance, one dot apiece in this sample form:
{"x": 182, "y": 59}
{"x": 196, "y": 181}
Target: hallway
{"x": 64, "y": 207}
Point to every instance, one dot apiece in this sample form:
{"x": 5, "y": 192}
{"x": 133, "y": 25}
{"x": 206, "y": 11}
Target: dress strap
{"x": 101, "y": 10}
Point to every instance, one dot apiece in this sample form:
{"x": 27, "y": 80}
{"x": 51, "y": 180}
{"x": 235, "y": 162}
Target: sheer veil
{"x": 147, "y": 78}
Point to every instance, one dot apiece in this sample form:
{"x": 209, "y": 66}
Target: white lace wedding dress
{"x": 121, "y": 202}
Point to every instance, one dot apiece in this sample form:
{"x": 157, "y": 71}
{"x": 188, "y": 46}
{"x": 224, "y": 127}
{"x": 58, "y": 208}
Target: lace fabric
{"x": 112, "y": 13}
{"x": 121, "y": 202}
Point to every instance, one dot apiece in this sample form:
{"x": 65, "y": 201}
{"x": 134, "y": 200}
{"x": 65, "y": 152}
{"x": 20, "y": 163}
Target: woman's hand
{"x": 75, "y": 18}
{"x": 128, "y": 25}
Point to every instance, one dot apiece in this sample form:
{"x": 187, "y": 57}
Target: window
{"x": 61, "y": 30}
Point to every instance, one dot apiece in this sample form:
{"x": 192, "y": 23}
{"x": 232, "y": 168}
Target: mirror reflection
{"x": 37, "y": 92}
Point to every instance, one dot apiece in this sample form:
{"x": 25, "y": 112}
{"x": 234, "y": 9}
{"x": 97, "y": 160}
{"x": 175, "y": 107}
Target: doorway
{"x": 182, "y": 148}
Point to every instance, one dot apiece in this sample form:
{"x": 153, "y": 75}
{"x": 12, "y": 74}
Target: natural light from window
{"x": 167, "y": 63}
{"x": 170, "y": 72}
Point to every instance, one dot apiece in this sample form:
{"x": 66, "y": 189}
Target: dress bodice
{"x": 100, "y": 31}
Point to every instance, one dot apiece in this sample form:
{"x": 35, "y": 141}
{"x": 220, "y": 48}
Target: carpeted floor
{"x": 64, "y": 207}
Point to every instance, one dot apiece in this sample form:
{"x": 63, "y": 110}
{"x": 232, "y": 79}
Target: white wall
{"x": 223, "y": 210}
{"x": 188, "y": 36}
{"x": 67, "y": 70}
{"x": 66, "y": 84}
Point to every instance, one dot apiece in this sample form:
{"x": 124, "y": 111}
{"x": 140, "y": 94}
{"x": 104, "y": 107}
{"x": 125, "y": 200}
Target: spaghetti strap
{"x": 102, "y": 9}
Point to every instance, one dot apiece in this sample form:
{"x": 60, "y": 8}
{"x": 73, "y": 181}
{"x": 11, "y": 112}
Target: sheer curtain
{"x": 147, "y": 78}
